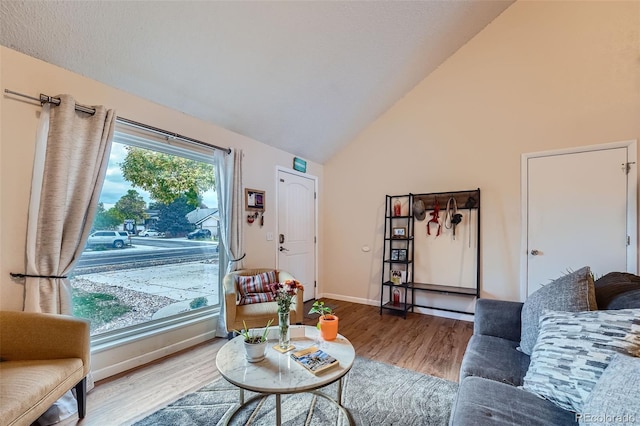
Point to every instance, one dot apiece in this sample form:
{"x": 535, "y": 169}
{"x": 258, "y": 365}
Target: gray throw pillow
{"x": 615, "y": 399}
{"x": 573, "y": 350}
{"x": 573, "y": 292}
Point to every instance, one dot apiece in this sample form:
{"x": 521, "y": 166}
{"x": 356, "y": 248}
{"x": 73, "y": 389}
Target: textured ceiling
{"x": 305, "y": 77}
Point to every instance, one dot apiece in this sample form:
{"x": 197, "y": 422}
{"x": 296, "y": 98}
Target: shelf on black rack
{"x": 445, "y": 289}
{"x": 390, "y": 284}
{"x": 397, "y": 306}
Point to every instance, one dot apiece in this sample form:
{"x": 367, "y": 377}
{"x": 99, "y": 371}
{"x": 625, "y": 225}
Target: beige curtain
{"x": 71, "y": 157}
{"x": 72, "y": 153}
{"x": 228, "y": 169}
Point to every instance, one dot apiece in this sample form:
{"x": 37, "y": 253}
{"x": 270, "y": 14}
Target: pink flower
{"x": 284, "y": 293}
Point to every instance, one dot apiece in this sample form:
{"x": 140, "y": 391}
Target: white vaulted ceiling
{"x": 302, "y": 76}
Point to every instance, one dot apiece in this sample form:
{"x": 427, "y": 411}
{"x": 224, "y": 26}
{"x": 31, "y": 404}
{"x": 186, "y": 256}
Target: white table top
{"x": 278, "y": 373}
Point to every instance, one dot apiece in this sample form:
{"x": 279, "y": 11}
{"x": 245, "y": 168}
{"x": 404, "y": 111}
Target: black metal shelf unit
{"x": 397, "y": 255}
{"x": 407, "y": 288}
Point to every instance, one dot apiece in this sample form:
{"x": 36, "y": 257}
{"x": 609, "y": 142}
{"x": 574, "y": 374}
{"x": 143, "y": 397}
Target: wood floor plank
{"x": 422, "y": 343}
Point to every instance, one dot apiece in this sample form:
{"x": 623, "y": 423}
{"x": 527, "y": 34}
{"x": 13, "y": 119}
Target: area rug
{"x": 375, "y": 393}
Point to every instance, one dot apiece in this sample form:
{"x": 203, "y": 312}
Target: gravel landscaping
{"x": 143, "y": 305}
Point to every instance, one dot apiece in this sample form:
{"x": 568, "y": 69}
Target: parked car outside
{"x": 199, "y": 233}
{"x": 150, "y": 233}
{"x": 117, "y": 239}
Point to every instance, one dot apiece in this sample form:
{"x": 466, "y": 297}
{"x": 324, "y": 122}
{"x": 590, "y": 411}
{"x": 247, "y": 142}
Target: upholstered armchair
{"x": 42, "y": 356}
{"x": 256, "y": 315}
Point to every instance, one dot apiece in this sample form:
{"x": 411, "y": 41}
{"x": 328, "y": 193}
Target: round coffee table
{"x": 278, "y": 374}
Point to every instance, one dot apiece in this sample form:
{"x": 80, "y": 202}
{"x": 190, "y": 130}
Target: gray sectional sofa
{"x": 493, "y": 370}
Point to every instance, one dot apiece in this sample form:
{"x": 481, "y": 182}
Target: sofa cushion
{"x": 574, "y": 348}
{"x": 618, "y": 290}
{"x": 615, "y": 399}
{"x": 481, "y": 355}
{"x": 499, "y": 318}
{"x": 255, "y": 288}
{"x": 572, "y": 292}
{"x": 29, "y": 387}
{"x": 627, "y": 300}
{"x": 486, "y": 402}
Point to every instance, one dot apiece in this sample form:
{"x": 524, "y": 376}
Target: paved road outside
{"x": 145, "y": 252}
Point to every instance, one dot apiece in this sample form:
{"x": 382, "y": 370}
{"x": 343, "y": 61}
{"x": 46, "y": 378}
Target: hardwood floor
{"x": 423, "y": 343}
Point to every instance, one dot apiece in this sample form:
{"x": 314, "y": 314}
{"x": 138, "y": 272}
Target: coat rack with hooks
{"x": 404, "y": 297}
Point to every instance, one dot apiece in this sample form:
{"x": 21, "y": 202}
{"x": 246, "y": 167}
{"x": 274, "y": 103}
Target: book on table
{"x": 314, "y": 359}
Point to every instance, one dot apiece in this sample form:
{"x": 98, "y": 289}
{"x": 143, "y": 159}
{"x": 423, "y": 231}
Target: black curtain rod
{"x": 43, "y": 99}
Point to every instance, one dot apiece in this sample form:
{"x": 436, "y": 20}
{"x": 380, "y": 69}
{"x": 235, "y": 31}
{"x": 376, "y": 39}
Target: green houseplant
{"x": 255, "y": 345}
{"x": 327, "y": 323}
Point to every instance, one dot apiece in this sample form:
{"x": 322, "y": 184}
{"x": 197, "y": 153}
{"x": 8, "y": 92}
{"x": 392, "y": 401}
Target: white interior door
{"x": 579, "y": 213}
{"x": 297, "y": 228}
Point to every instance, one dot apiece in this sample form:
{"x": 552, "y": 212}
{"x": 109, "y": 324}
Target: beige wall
{"x": 18, "y": 124}
{"x": 542, "y": 76}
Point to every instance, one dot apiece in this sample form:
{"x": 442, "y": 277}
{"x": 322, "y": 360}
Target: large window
{"x": 153, "y": 250}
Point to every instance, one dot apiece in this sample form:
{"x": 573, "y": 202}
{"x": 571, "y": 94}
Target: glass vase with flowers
{"x": 284, "y": 294}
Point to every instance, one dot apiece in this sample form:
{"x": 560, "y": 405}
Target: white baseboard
{"x": 350, "y": 299}
{"x": 426, "y": 311}
{"x": 444, "y": 314}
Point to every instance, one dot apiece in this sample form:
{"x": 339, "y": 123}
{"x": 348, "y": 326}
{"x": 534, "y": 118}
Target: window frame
{"x": 125, "y": 336}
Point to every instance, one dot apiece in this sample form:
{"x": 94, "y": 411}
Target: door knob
{"x": 535, "y": 252}
{"x": 283, "y": 249}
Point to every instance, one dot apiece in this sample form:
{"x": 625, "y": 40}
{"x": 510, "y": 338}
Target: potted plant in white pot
{"x": 327, "y": 323}
{"x": 255, "y": 345}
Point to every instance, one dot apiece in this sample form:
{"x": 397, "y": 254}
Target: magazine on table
{"x": 314, "y": 359}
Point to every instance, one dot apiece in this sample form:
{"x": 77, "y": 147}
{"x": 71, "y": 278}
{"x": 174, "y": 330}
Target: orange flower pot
{"x": 328, "y": 327}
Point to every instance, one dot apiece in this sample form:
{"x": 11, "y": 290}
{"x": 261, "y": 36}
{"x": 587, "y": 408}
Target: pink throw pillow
{"x": 255, "y": 288}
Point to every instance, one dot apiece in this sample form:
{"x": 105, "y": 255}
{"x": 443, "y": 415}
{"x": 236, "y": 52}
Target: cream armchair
{"x": 42, "y": 356}
{"x": 256, "y": 315}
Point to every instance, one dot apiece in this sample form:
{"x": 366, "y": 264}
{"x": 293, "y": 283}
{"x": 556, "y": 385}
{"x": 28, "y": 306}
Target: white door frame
{"x": 315, "y": 202}
{"x": 632, "y": 195}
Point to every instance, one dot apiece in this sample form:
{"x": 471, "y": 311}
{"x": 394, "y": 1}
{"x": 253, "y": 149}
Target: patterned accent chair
{"x": 256, "y": 315}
